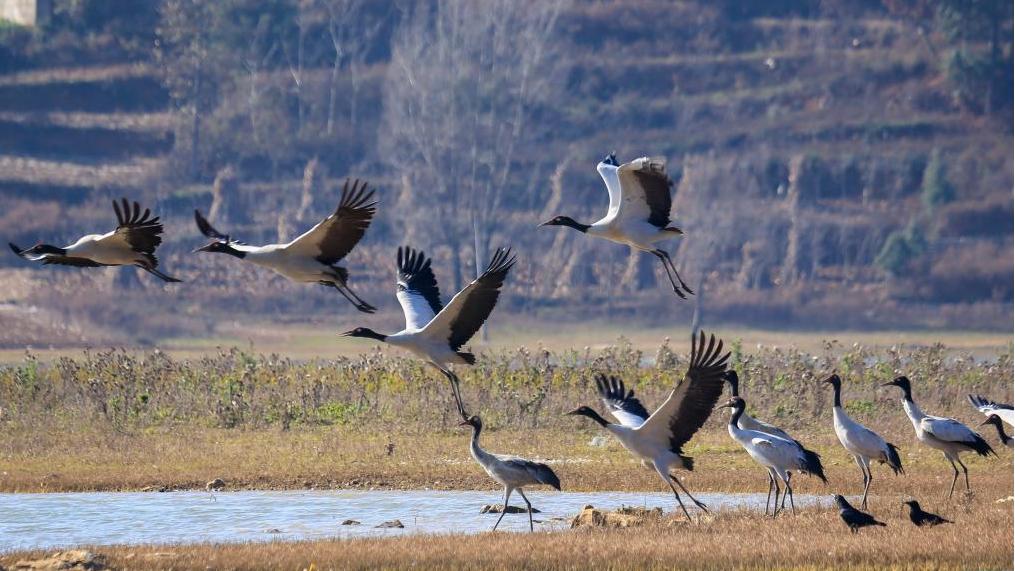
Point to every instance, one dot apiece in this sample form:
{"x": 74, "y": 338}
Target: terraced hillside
{"x": 832, "y": 170}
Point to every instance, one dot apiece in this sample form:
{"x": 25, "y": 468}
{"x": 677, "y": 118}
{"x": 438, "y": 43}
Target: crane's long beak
{"x": 346, "y": 334}
{"x": 727, "y": 405}
{"x": 205, "y": 248}
{"x": 891, "y": 384}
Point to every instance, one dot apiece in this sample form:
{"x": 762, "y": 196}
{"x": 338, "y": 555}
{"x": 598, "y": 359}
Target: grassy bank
{"x": 118, "y": 420}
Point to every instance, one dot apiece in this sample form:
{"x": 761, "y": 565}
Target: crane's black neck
{"x": 572, "y": 223}
{"x": 837, "y": 387}
{"x": 367, "y": 333}
{"x": 49, "y": 249}
{"x": 594, "y": 416}
{"x": 227, "y": 249}
{"x": 735, "y": 417}
{"x": 734, "y": 381}
{"x": 1000, "y": 429}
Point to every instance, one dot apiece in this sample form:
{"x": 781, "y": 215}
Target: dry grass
{"x": 814, "y": 539}
{"x": 354, "y": 457}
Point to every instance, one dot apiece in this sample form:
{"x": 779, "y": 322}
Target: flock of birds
{"x": 638, "y": 217}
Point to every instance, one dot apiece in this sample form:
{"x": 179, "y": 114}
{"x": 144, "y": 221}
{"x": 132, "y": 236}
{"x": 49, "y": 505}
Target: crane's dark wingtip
{"x": 16, "y": 249}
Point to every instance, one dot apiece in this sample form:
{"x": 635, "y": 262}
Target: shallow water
{"x": 29, "y": 521}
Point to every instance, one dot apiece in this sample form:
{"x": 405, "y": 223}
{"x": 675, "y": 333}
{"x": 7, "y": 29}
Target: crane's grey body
{"x": 778, "y": 455}
{"x": 948, "y": 435}
{"x": 862, "y": 443}
{"x": 511, "y": 472}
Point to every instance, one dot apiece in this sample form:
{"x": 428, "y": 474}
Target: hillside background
{"x": 839, "y": 164}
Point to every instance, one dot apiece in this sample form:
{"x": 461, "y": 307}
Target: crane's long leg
{"x": 676, "y": 289}
{"x": 788, "y": 492}
{"x": 955, "y": 478}
{"x": 507, "y": 496}
{"x": 455, "y": 390}
{"x": 527, "y": 505}
{"x": 700, "y": 505}
{"x": 869, "y": 477}
{"x": 359, "y": 303}
{"x": 775, "y": 482}
{"x": 786, "y": 482}
{"x": 965, "y": 472}
{"x": 669, "y": 260}
{"x": 663, "y": 472}
{"x": 771, "y": 482}
{"x": 342, "y": 291}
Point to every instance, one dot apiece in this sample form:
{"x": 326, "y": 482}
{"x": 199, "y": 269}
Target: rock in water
{"x": 623, "y": 517}
{"x": 74, "y": 560}
{"x": 391, "y": 524}
{"x": 497, "y": 508}
{"x": 350, "y": 522}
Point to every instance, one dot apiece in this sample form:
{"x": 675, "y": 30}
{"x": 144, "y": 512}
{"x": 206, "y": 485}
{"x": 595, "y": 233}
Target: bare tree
{"x": 353, "y": 25}
{"x": 466, "y": 81}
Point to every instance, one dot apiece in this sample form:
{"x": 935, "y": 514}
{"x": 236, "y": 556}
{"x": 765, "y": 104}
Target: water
{"x": 48, "y": 521}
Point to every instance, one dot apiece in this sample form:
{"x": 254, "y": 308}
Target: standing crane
{"x": 948, "y": 435}
{"x": 862, "y": 443}
{"x": 511, "y": 472}
{"x": 778, "y": 455}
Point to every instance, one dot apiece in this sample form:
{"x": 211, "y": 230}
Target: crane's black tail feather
{"x": 812, "y": 464}
{"x": 893, "y": 460}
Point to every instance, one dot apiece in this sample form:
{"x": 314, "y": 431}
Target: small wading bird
{"x": 746, "y": 421}
{"x": 778, "y": 455}
{"x": 989, "y": 407}
{"x": 853, "y": 517}
{"x": 658, "y": 440}
{"x": 436, "y": 332}
{"x": 922, "y": 518}
{"x": 311, "y": 257}
{"x": 948, "y": 435}
{"x": 995, "y": 420}
{"x": 511, "y": 472}
{"x": 132, "y": 243}
{"x": 861, "y": 442}
{"x": 639, "y": 213}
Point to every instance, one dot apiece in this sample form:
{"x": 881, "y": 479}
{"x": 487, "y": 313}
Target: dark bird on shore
{"x": 313, "y": 256}
{"x": 853, "y": 517}
{"x": 948, "y": 435}
{"x": 922, "y": 518}
{"x": 132, "y": 243}
{"x": 658, "y": 439}
{"x": 639, "y": 212}
{"x": 511, "y": 472}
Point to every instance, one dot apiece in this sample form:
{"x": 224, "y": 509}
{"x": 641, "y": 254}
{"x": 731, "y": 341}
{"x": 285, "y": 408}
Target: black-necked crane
{"x": 660, "y": 438}
{"x": 862, "y": 443}
{"x": 639, "y": 211}
{"x": 988, "y": 407}
{"x": 512, "y": 472}
{"x": 778, "y": 455}
{"x": 853, "y": 517}
{"x": 132, "y": 243}
{"x": 748, "y": 422}
{"x": 313, "y": 256}
{"x": 995, "y": 421}
{"x": 948, "y": 435}
{"x": 921, "y": 518}
{"x": 436, "y": 332}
